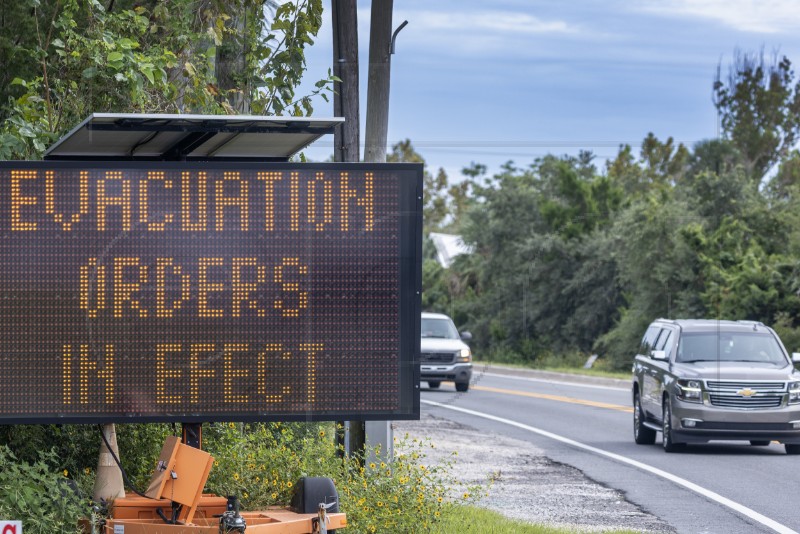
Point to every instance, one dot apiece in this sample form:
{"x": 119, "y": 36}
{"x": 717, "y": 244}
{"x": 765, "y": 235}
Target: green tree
{"x": 152, "y": 57}
{"x": 541, "y": 276}
{"x": 658, "y": 271}
{"x": 759, "y": 108}
{"x": 660, "y": 166}
{"x": 719, "y": 156}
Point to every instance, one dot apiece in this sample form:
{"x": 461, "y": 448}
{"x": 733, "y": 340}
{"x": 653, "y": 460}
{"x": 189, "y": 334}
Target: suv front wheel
{"x": 667, "y": 438}
{"x": 642, "y": 435}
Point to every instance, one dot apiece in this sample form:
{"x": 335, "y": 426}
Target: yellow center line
{"x": 558, "y": 398}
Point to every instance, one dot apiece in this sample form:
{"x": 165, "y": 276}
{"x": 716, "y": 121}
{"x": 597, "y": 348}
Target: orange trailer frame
{"x": 179, "y": 478}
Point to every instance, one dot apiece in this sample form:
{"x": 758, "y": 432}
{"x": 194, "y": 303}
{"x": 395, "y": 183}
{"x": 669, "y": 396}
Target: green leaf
{"x": 148, "y": 72}
{"x": 19, "y": 81}
{"x": 114, "y": 57}
{"x": 90, "y": 72}
{"x": 127, "y": 44}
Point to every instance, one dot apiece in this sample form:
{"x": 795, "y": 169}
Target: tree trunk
{"x": 230, "y": 61}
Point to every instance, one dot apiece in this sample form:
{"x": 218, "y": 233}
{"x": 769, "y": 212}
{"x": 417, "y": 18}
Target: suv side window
{"x": 665, "y": 341}
{"x": 649, "y": 339}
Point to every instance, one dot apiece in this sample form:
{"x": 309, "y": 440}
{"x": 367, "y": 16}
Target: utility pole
{"x": 381, "y": 43}
{"x": 346, "y": 137}
{"x": 380, "y": 38}
{"x": 350, "y": 435}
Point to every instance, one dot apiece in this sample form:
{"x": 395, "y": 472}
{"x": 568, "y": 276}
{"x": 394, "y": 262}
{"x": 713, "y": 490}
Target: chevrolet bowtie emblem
{"x": 746, "y": 392}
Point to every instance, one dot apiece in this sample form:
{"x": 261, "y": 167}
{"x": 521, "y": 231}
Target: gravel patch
{"x": 524, "y": 484}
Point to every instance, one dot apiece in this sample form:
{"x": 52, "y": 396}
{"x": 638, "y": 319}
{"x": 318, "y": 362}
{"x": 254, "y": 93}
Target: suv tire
{"x": 462, "y": 386}
{"x": 792, "y": 448}
{"x": 433, "y": 384}
{"x": 642, "y": 435}
{"x": 667, "y": 438}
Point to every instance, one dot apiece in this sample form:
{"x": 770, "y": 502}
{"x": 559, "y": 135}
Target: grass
{"x": 564, "y": 369}
{"x": 474, "y": 520}
{"x": 590, "y": 372}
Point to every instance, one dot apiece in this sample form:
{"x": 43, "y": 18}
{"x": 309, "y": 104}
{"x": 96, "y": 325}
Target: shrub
{"x": 258, "y": 462}
{"x": 261, "y": 463}
{"x": 39, "y": 497}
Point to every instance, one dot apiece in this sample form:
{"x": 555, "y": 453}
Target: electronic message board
{"x": 189, "y": 291}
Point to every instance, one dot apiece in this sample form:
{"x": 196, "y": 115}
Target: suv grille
{"x": 746, "y": 395}
{"x": 756, "y": 386}
{"x": 437, "y": 357}
{"x": 728, "y": 401}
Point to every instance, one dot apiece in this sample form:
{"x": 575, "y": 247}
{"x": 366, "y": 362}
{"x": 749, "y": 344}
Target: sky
{"x": 513, "y": 80}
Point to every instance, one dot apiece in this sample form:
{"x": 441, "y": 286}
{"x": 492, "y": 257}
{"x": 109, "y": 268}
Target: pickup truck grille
{"x": 746, "y": 395}
{"x": 437, "y": 357}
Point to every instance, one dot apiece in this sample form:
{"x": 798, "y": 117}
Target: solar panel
{"x": 168, "y": 137}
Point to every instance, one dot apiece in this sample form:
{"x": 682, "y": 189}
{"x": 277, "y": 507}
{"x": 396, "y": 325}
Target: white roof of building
{"x": 448, "y": 246}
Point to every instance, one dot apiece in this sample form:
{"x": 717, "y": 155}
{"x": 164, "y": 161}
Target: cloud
{"x": 480, "y": 32}
{"x": 754, "y": 16}
{"x": 499, "y": 22}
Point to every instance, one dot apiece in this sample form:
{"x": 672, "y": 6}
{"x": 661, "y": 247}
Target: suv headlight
{"x": 464, "y": 355}
{"x": 794, "y": 392}
{"x": 690, "y": 390}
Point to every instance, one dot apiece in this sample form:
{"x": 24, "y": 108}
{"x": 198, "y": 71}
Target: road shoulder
{"x": 522, "y": 483}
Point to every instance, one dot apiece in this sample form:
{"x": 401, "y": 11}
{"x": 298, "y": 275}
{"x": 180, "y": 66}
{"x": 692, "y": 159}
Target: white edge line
{"x": 752, "y": 514}
{"x": 547, "y": 380}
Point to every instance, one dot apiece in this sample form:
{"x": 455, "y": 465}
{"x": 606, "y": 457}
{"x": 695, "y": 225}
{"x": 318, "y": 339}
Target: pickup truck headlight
{"x": 794, "y": 392}
{"x": 464, "y": 355}
{"x": 690, "y": 390}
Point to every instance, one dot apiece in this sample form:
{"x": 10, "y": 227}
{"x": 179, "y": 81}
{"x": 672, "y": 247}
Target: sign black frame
{"x": 408, "y": 214}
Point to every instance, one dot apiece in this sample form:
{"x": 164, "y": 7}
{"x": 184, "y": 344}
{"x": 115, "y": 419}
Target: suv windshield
{"x": 441, "y": 328}
{"x": 729, "y": 347}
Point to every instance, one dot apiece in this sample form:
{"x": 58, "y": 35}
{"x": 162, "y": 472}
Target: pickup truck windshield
{"x": 441, "y": 328}
{"x": 729, "y": 347}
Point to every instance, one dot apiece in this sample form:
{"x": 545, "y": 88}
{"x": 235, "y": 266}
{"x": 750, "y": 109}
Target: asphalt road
{"x": 725, "y": 488}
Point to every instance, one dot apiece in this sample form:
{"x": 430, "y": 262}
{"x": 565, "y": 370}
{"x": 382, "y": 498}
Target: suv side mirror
{"x": 796, "y": 357}
{"x": 466, "y": 335}
{"x": 658, "y": 354}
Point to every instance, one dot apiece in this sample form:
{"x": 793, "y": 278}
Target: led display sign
{"x": 193, "y": 292}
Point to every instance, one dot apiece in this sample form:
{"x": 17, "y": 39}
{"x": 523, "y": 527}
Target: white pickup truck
{"x": 443, "y": 354}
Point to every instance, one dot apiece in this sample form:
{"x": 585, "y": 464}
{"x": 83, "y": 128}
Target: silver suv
{"x": 701, "y": 380}
{"x": 443, "y": 354}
